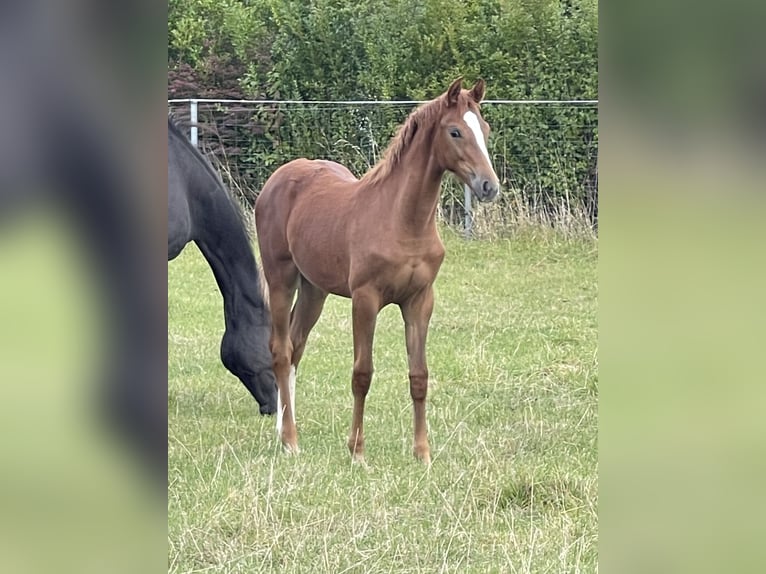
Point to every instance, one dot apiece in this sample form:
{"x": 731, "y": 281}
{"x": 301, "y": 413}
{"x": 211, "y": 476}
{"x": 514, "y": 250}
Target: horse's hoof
{"x": 358, "y": 458}
{"x": 424, "y": 457}
{"x": 291, "y": 449}
{"x": 359, "y": 461}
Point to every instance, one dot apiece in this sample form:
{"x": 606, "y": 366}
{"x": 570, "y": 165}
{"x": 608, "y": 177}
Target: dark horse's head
{"x": 248, "y": 357}
{"x": 201, "y": 209}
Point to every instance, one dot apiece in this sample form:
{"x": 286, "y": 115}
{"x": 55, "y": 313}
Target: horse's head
{"x": 461, "y": 140}
{"x": 246, "y": 354}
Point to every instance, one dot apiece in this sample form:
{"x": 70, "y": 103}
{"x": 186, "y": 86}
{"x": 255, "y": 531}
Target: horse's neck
{"x": 227, "y": 251}
{"x": 416, "y": 184}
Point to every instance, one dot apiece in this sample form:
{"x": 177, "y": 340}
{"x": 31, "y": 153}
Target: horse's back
{"x": 303, "y": 175}
{"x": 328, "y": 167}
{"x": 314, "y": 186}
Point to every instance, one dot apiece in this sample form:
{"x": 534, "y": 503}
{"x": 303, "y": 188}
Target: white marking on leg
{"x": 472, "y": 120}
{"x": 292, "y": 390}
{"x": 281, "y": 406}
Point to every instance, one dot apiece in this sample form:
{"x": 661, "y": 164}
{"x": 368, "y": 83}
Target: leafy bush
{"x": 399, "y": 49}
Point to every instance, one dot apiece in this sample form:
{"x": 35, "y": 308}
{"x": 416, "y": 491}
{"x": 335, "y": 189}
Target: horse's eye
{"x": 455, "y": 133}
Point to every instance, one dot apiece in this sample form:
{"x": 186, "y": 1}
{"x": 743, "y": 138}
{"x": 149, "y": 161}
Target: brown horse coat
{"x": 321, "y": 230}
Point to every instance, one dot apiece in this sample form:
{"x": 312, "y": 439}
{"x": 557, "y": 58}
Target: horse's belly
{"x": 318, "y": 246}
{"x": 330, "y": 282}
{"x": 325, "y": 269}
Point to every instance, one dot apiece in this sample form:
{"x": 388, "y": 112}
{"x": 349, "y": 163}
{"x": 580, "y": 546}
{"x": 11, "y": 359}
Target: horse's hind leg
{"x": 304, "y": 316}
{"x": 282, "y": 283}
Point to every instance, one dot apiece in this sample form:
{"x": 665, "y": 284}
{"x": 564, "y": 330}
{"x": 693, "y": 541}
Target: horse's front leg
{"x": 365, "y": 306}
{"x": 416, "y": 313}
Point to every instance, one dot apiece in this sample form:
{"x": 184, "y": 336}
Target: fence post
{"x": 193, "y": 122}
{"x": 468, "y": 212}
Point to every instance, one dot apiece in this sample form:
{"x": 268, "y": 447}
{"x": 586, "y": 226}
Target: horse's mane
{"x": 173, "y": 127}
{"x": 420, "y": 118}
{"x": 237, "y": 205}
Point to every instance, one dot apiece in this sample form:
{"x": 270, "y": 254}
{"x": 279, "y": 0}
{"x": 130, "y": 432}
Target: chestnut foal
{"x": 321, "y": 230}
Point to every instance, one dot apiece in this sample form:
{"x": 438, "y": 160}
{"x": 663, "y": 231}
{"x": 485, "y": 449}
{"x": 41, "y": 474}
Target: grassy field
{"x": 512, "y": 413}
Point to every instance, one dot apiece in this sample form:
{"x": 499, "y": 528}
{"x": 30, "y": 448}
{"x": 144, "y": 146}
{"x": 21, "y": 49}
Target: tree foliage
{"x": 401, "y": 49}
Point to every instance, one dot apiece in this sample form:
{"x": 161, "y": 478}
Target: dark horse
{"x": 321, "y": 230}
{"x": 201, "y": 210}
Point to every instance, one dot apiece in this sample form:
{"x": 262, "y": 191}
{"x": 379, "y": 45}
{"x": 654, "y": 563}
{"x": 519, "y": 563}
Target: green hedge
{"x": 364, "y": 49}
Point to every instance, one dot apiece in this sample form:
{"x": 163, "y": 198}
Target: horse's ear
{"x": 454, "y": 91}
{"x": 477, "y": 92}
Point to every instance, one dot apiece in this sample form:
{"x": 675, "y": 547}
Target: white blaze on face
{"x": 472, "y": 120}
{"x": 281, "y": 406}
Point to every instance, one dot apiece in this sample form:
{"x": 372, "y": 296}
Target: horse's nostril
{"x": 486, "y": 186}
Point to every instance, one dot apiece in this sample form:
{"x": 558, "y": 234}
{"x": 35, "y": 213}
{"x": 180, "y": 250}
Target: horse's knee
{"x": 360, "y": 381}
{"x": 419, "y": 385}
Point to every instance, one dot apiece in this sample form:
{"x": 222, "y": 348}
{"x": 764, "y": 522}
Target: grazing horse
{"x": 321, "y": 230}
{"x": 201, "y": 210}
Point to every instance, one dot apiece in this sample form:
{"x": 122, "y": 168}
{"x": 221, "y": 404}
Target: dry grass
{"x": 512, "y": 412}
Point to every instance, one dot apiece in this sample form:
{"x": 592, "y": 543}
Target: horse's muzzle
{"x": 485, "y": 189}
{"x": 268, "y": 409}
{"x": 266, "y": 392}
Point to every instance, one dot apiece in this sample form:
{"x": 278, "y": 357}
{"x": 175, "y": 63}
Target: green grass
{"x": 512, "y": 415}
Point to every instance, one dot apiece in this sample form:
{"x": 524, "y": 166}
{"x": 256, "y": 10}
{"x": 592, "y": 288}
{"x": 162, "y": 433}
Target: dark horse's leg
{"x": 416, "y": 313}
{"x": 365, "y": 306}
